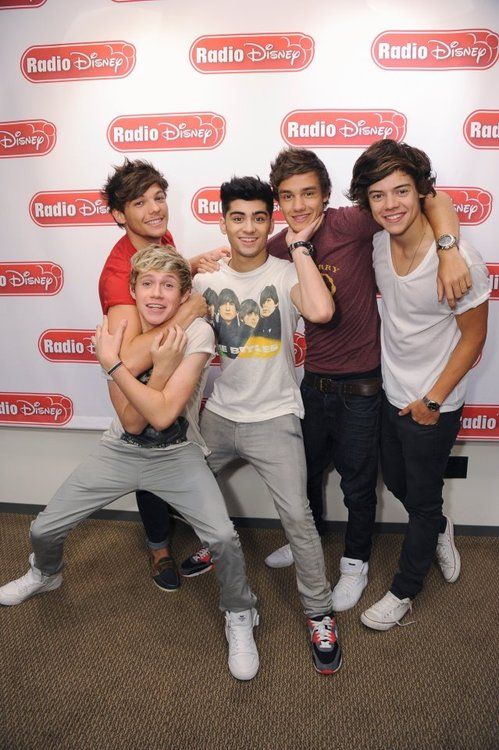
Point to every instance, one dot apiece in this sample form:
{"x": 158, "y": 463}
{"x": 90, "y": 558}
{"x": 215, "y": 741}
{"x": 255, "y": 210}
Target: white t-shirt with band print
{"x": 419, "y": 333}
{"x": 254, "y": 320}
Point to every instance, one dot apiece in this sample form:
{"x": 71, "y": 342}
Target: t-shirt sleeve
{"x": 480, "y": 291}
{"x": 354, "y": 221}
{"x": 114, "y": 286}
{"x": 200, "y": 339}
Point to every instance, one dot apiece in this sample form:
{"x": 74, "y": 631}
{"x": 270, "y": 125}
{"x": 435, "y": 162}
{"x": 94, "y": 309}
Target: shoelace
{"x": 241, "y": 634}
{"x": 404, "y": 624}
{"x": 201, "y": 555}
{"x": 323, "y": 633}
{"x": 445, "y": 554}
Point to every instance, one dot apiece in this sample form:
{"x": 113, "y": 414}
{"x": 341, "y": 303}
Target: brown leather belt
{"x": 360, "y": 387}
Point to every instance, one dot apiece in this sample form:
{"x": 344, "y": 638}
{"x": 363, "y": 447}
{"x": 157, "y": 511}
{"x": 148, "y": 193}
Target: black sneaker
{"x": 197, "y": 564}
{"x": 326, "y": 649}
{"x": 164, "y": 572}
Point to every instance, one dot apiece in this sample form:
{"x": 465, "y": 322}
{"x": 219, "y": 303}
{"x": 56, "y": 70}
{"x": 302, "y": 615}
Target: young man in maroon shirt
{"x": 136, "y": 196}
{"x": 341, "y": 388}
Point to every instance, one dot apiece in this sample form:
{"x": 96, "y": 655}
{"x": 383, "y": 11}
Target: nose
{"x": 248, "y": 225}
{"x": 298, "y": 203}
{"x": 391, "y": 200}
{"x": 156, "y": 290}
{"x": 153, "y": 207}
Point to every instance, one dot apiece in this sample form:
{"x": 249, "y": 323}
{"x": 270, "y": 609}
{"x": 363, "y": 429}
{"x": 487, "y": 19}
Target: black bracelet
{"x": 309, "y": 248}
{"x": 114, "y": 367}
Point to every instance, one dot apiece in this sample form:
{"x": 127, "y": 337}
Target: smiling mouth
{"x": 393, "y": 217}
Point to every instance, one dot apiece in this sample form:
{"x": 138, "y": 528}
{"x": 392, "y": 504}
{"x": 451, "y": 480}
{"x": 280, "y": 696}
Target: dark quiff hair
{"x": 292, "y": 161}
{"x": 246, "y": 189}
{"x": 130, "y": 181}
{"x": 383, "y": 158}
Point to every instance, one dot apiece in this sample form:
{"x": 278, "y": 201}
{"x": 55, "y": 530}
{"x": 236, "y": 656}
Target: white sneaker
{"x": 243, "y": 656}
{"x": 281, "y": 558}
{"x": 352, "y": 582}
{"x": 34, "y": 582}
{"x": 387, "y": 612}
{"x": 448, "y": 557}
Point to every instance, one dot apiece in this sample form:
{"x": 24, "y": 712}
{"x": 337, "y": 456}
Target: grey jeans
{"x": 274, "y": 448}
{"x": 180, "y": 475}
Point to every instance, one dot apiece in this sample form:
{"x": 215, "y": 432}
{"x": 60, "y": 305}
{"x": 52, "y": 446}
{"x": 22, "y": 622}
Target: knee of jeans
{"x": 296, "y": 516}
{"x": 424, "y": 507}
{"x": 224, "y": 536}
{"x": 38, "y": 530}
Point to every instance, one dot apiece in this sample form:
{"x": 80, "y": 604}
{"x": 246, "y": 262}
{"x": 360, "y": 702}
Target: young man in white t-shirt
{"x": 426, "y": 352}
{"x": 255, "y": 409}
{"x": 153, "y": 444}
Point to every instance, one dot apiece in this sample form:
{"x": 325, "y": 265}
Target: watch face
{"x": 432, "y": 406}
{"x": 446, "y": 240}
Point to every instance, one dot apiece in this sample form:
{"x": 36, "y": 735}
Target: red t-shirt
{"x": 114, "y": 282}
{"x": 350, "y": 342}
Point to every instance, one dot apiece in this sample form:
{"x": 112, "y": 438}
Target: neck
{"x": 407, "y": 241}
{"x": 243, "y": 265}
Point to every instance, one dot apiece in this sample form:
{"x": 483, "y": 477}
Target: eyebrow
{"x": 255, "y": 213}
{"x": 378, "y": 190}
{"x": 302, "y": 190}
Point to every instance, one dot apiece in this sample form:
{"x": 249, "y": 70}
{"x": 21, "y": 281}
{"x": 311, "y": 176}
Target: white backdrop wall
{"x": 206, "y": 92}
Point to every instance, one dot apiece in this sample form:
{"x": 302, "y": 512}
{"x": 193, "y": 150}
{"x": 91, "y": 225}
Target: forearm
{"x": 315, "y": 301}
{"x": 150, "y": 404}
{"x": 441, "y": 214}
{"x": 131, "y": 419}
{"x": 460, "y": 362}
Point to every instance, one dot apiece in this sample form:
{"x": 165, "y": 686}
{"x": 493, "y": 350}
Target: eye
{"x": 403, "y": 191}
{"x": 138, "y": 203}
{"x": 375, "y": 196}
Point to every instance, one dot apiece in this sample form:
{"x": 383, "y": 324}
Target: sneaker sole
{"x": 329, "y": 670}
{"x": 164, "y": 588}
{"x": 282, "y": 565}
{"x": 197, "y": 573}
{"x": 374, "y": 625}
{"x": 51, "y": 587}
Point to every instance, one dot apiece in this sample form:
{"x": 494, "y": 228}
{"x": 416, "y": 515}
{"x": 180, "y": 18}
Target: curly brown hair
{"x": 383, "y": 158}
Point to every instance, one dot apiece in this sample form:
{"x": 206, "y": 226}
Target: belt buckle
{"x": 327, "y": 385}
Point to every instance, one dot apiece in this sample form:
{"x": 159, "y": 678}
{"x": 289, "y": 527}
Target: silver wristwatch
{"x": 431, "y": 405}
{"x": 446, "y": 242}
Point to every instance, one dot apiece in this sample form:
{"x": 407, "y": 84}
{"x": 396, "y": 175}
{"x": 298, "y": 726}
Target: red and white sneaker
{"x": 197, "y": 564}
{"x": 326, "y": 649}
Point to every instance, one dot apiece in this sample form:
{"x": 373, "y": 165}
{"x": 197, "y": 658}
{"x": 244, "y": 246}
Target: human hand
{"x": 167, "y": 350}
{"x": 420, "y": 413}
{"x": 107, "y": 345}
{"x": 208, "y": 262}
{"x": 306, "y": 233}
{"x": 454, "y": 279}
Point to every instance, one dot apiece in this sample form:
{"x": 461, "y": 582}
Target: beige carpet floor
{"x": 111, "y": 662}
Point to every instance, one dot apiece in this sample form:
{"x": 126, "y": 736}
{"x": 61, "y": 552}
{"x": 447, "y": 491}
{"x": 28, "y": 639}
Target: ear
{"x": 118, "y": 216}
{"x": 185, "y": 296}
{"x": 271, "y": 226}
{"x": 222, "y": 225}
{"x": 132, "y": 292}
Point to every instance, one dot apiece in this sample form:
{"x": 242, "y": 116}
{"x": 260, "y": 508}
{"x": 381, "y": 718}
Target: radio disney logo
{"x": 67, "y": 345}
{"x": 473, "y": 205}
{"x": 494, "y": 280}
{"x": 300, "y": 348}
{"x": 5, "y": 4}
{"x": 30, "y": 278}
{"x": 458, "y": 49}
{"x": 479, "y": 422}
{"x": 40, "y": 409}
{"x": 333, "y": 128}
{"x": 175, "y": 132}
{"x": 79, "y": 61}
{"x": 206, "y": 206}
{"x": 481, "y": 128}
{"x": 26, "y": 138}
{"x": 57, "y": 208}
{"x": 252, "y": 53}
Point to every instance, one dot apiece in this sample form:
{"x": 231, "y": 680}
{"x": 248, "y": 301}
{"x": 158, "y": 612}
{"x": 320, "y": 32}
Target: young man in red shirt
{"x": 136, "y": 196}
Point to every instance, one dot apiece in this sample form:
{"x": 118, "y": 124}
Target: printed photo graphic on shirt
{"x": 247, "y": 329}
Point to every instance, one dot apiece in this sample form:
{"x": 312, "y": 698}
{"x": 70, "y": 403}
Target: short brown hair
{"x": 130, "y": 181}
{"x": 383, "y": 158}
{"x": 292, "y": 161}
{"x": 161, "y": 258}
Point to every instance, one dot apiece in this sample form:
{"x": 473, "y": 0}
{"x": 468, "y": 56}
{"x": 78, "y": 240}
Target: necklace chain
{"x": 413, "y": 255}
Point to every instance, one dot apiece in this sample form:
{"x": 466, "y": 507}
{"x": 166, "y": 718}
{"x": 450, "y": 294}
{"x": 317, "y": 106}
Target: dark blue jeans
{"x": 155, "y": 516}
{"x": 343, "y": 431}
{"x": 413, "y": 461}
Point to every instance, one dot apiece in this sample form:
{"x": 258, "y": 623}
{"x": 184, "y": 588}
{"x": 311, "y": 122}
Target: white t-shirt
{"x": 200, "y": 339}
{"x": 419, "y": 333}
{"x": 258, "y": 379}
